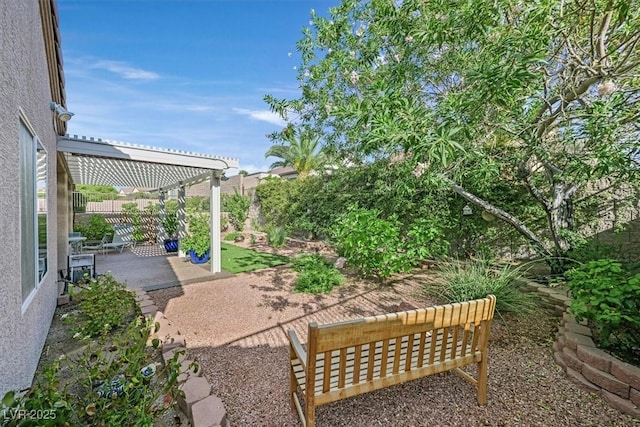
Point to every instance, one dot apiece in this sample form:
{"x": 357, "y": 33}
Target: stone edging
{"x": 201, "y": 406}
{"x": 595, "y": 370}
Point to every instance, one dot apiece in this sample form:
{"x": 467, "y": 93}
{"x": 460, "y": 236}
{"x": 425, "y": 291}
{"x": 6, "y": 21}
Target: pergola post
{"x": 162, "y": 213}
{"x": 214, "y": 215}
{"x": 182, "y": 218}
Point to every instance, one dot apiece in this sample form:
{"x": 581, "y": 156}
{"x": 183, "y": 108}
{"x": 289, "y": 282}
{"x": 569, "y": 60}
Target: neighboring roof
{"x": 101, "y": 162}
{"x": 283, "y": 171}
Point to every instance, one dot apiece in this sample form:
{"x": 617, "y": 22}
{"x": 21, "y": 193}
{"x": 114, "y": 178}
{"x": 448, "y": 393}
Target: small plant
{"x": 199, "y": 237}
{"x": 464, "y": 281}
{"x": 316, "y": 275}
{"x": 132, "y": 211}
{"x": 276, "y": 236}
{"x": 608, "y": 295}
{"x": 232, "y": 236}
{"x": 170, "y": 223}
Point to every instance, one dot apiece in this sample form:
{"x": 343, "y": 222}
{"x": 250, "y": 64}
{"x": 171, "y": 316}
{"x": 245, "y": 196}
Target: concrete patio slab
{"x": 149, "y": 267}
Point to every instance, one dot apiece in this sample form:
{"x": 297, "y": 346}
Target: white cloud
{"x": 262, "y": 115}
{"x": 125, "y": 71}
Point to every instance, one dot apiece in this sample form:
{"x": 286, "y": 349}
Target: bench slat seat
{"x": 379, "y": 351}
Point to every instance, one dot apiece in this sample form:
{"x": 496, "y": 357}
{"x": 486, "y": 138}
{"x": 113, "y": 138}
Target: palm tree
{"x": 300, "y": 151}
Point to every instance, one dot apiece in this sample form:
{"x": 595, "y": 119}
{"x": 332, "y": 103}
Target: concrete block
{"x": 63, "y": 299}
{"x": 573, "y": 340}
{"x": 625, "y": 372}
{"x": 606, "y": 381}
{"x": 595, "y": 357}
{"x": 557, "y": 356}
{"x": 209, "y": 412}
{"x": 149, "y": 310}
{"x": 577, "y": 329}
{"x": 571, "y": 360}
{"x": 173, "y": 341}
{"x": 195, "y": 389}
{"x": 634, "y": 396}
{"x": 579, "y": 379}
{"x": 146, "y": 302}
{"x": 623, "y": 405}
{"x": 187, "y": 371}
{"x": 168, "y": 355}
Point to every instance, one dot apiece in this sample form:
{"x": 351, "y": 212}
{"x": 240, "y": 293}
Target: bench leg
{"x": 309, "y": 414}
{"x": 482, "y": 381}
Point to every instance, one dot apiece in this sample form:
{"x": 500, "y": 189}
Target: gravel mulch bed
{"x": 236, "y": 329}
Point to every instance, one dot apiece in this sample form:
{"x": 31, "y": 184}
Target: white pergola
{"x": 101, "y": 162}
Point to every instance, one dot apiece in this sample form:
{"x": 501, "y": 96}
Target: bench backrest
{"x": 377, "y": 348}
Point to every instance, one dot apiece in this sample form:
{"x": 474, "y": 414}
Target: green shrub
{"x": 78, "y": 389}
{"x": 232, "y": 236}
{"x": 199, "y": 236}
{"x": 274, "y": 196}
{"x": 93, "y": 228}
{"x": 464, "y": 281}
{"x": 316, "y": 275}
{"x": 276, "y": 236}
{"x": 237, "y": 207}
{"x": 104, "y": 305}
{"x": 371, "y": 244}
{"x": 132, "y": 213}
{"x": 608, "y": 295}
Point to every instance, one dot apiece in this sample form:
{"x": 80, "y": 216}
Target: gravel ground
{"x": 236, "y": 329}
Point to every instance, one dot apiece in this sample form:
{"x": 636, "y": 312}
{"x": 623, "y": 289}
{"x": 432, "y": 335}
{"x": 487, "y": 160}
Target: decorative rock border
{"x": 198, "y": 403}
{"x": 585, "y": 364}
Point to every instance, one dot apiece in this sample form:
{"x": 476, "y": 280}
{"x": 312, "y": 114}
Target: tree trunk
{"x": 561, "y": 222}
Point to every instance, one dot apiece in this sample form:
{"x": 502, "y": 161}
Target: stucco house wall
{"x": 24, "y": 85}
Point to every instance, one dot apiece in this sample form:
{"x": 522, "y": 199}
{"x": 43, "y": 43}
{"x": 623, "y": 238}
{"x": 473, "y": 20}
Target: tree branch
{"x": 508, "y": 218}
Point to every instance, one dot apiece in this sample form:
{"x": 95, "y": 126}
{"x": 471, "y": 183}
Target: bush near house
{"x": 93, "y": 228}
{"x": 107, "y": 380}
{"x": 237, "y": 207}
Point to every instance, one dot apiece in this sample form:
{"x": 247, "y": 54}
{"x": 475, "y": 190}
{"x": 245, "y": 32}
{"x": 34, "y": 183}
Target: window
{"x": 33, "y": 210}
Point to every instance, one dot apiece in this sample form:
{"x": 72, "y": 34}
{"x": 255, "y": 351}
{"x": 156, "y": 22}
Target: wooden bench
{"x": 371, "y": 353}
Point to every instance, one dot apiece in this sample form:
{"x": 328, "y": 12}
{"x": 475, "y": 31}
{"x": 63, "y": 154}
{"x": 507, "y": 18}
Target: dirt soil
{"x": 236, "y": 328}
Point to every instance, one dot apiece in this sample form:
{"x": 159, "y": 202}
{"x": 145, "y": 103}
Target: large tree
{"x": 541, "y": 95}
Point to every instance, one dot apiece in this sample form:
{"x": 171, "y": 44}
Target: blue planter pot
{"x": 171, "y": 245}
{"x": 195, "y": 259}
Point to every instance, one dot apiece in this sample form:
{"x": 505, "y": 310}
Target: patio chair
{"x": 121, "y": 238}
{"x": 99, "y": 246}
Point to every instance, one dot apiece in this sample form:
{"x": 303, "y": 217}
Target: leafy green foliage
{"x": 105, "y": 305}
{"x": 232, "y": 236}
{"x": 276, "y": 236}
{"x": 274, "y": 195}
{"x": 196, "y": 204}
{"x": 93, "y": 228}
{"x": 537, "y": 100}
{"x": 316, "y": 274}
{"x": 67, "y": 390}
{"x": 608, "y": 295}
{"x": 170, "y": 220}
{"x": 371, "y": 244}
{"x": 199, "y": 234}
{"x": 132, "y": 214}
{"x": 464, "y": 281}
{"x": 301, "y": 151}
{"x": 237, "y": 207}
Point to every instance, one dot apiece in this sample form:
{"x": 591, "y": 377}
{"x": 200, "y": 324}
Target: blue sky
{"x": 182, "y": 74}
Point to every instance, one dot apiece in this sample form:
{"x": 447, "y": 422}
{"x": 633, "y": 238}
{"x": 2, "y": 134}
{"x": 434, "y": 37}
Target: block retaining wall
{"x": 585, "y": 364}
{"x": 198, "y": 402}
